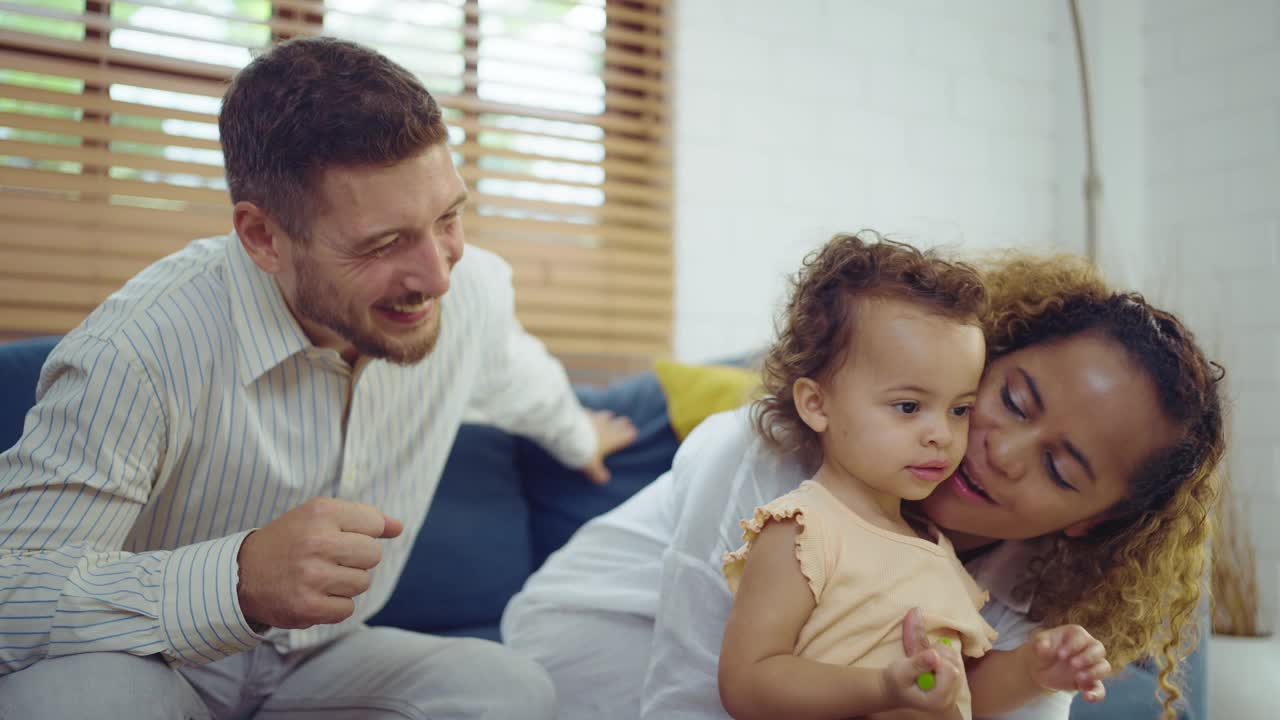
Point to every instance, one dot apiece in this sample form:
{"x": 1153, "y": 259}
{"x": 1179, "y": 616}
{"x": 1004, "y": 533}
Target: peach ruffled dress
{"x": 865, "y": 578}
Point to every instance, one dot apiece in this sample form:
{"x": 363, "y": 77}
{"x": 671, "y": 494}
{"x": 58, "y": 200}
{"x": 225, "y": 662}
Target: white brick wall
{"x": 1214, "y": 144}
{"x": 930, "y": 119}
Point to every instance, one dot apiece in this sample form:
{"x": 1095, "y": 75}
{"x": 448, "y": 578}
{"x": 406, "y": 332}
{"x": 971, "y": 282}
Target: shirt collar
{"x": 267, "y": 332}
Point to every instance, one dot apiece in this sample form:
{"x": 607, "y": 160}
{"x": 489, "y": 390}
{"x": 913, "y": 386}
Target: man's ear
{"x": 807, "y": 395}
{"x": 259, "y": 235}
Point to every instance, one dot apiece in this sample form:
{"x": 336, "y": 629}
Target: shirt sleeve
{"x": 523, "y": 389}
{"x": 810, "y": 542}
{"x": 1015, "y": 629}
{"x": 719, "y": 481}
{"x": 1049, "y": 707}
{"x": 71, "y": 490}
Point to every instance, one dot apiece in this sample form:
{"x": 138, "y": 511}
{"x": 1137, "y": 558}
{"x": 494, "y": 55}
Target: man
{"x": 192, "y": 524}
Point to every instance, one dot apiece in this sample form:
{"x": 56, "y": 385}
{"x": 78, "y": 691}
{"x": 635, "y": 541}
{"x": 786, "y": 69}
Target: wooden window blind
{"x": 558, "y": 113}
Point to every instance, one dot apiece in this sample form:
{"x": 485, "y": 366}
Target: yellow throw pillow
{"x": 695, "y": 392}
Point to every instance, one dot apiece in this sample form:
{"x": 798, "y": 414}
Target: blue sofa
{"x": 504, "y": 505}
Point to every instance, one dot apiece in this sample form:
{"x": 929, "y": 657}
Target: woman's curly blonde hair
{"x": 815, "y": 328}
{"x": 1134, "y": 580}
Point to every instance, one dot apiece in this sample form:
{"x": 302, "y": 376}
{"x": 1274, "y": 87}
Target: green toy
{"x": 926, "y": 680}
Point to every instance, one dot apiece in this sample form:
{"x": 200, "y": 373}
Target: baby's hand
{"x": 1068, "y": 658}
{"x": 946, "y": 668}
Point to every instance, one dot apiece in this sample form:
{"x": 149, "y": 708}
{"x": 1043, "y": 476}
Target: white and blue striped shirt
{"x": 190, "y": 408}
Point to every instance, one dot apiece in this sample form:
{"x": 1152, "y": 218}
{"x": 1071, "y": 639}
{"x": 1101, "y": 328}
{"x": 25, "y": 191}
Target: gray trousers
{"x": 374, "y": 674}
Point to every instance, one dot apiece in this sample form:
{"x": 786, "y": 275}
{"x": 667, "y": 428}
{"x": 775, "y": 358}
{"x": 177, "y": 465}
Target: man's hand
{"x": 612, "y": 434}
{"x": 1067, "y": 658}
{"x": 304, "y": 567}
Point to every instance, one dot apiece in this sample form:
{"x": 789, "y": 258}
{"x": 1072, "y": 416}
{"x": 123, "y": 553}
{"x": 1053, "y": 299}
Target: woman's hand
{"x": 1067, "y": 658}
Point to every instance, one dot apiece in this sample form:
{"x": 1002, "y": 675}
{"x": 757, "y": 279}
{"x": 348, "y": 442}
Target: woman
{"x": 1083, "y": 499}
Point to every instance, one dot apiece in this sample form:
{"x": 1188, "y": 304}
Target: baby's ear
{"x": 807, "y": 395}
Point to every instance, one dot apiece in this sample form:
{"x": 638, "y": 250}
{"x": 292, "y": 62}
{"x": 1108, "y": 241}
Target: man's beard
{"x": 318, "y": 301}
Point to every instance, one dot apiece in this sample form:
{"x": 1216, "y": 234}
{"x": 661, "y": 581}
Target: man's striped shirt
{"x": 190, "y": 408}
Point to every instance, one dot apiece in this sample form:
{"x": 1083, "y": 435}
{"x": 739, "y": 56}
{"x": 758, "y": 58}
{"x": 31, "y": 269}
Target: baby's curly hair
{"x": 815, "y": 328}
{"x": 1134, "y": 580}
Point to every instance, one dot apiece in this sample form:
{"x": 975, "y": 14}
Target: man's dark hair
{"x": 313, "y": 103}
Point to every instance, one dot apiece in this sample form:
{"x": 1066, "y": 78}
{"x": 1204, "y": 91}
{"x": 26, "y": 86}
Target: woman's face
{"x": 1057, "y": 431}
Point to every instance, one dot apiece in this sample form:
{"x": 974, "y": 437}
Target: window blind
{"x": 558, "y": 113}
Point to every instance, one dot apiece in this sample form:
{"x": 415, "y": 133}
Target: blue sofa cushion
{"x": 20, "y": 364}
{"x": 464, "y": 566}
{"x": 1132, "y": 692}
{"x": 473, "y": 551}
{"x": 561, "y": 499}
